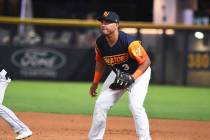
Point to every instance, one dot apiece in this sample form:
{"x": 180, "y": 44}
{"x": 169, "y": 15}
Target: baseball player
{"x": 131, "y": 71}
{"x": 19, "y": 127}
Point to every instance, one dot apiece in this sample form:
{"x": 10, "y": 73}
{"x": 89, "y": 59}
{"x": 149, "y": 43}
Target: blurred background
{"x": 55, "y": 39}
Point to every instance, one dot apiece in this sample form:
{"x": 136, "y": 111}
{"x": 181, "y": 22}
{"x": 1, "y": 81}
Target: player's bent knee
{"x": 102, "y": 106}
{"x": 134, "y": 108}
{"x": 1, "y": 109}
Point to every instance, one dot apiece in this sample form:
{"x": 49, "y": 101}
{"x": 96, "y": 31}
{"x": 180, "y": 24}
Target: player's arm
{"x": 137, "y": 52}
{"x": 4, "y": 74}
{"x": 99, "y": 69}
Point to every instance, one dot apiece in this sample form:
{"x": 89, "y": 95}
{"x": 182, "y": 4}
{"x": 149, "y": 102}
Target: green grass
{"x": 171, "y": 102}
{"x": 179, "y": 102}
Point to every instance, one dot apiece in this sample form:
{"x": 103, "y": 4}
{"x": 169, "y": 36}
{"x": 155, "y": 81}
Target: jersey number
{"x": 125, "y": 67}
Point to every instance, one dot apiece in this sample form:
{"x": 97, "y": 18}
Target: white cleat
{"x": 23, "y": 135}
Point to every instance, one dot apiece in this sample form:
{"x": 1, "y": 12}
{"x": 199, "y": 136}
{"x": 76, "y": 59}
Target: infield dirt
{"x": 46, "y": 126}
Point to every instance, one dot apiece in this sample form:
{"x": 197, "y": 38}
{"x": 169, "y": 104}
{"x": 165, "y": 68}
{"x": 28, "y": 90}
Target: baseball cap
{"x": 110, "y": 16}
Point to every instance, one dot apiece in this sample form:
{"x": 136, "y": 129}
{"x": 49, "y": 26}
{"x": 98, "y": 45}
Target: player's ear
{"x": 117, "y": 25}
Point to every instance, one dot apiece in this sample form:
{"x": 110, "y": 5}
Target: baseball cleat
{"x": 24, "y": 134}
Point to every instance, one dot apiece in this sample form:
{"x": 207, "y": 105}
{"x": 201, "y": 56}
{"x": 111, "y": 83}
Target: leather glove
{"x": 122, "y": 80}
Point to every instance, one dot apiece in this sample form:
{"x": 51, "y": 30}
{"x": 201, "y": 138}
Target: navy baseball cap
{"x": 110, "y": 16}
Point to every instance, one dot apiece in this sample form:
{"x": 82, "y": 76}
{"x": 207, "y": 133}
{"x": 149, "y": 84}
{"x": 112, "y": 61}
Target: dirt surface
{"x": 46, "y": 126}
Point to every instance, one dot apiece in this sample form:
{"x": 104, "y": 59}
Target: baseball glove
{"x": 122, "y": 80}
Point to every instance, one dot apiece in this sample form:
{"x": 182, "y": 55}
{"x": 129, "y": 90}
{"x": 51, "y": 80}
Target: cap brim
{"x": 99, "y": 18}
{"x": 104, "y": 18}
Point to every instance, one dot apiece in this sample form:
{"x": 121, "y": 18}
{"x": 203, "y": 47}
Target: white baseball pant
{"x": 109, "y": 97}
{"x": 5, "y": 112}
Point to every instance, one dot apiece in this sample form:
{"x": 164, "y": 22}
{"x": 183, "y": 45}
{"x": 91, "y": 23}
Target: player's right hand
{"x": 93, "y": 88}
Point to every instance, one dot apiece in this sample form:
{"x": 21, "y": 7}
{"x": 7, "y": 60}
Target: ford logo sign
{"x": 38, "y": 58}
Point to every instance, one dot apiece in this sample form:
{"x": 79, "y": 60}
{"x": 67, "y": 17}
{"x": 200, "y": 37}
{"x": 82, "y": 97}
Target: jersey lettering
{"x": 116, "y": 59}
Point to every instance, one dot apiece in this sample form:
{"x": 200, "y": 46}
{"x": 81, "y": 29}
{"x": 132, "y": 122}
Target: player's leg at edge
{"x": 9, "y": 116}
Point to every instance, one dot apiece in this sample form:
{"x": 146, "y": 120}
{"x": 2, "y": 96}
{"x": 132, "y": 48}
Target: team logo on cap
{"x": 106, "y": 13}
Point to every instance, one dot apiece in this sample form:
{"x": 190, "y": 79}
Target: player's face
{"x": 108, "y": 27}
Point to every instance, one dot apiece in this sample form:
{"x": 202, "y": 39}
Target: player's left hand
{"x": 122, "y": 80}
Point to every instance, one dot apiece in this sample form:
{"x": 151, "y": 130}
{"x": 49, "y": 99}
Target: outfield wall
{"x": 48, "y": 63}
